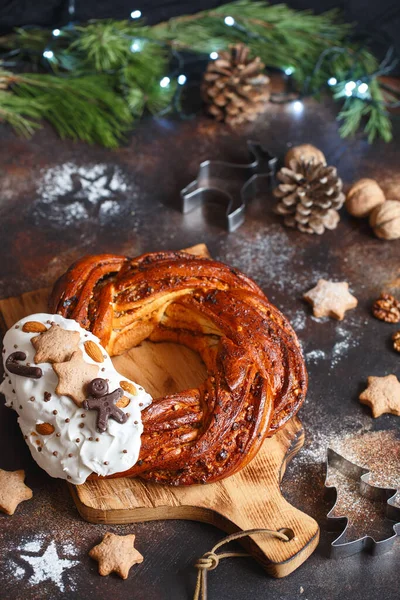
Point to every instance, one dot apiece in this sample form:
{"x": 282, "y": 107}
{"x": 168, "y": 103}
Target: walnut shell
{"x": 363, "y": 196}
{"x": 304, "y": 152}
{"x": 385, "y": 220}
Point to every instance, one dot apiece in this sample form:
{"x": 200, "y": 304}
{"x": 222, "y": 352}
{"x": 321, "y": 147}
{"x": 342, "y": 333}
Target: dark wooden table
{"x": 59, "y": 200}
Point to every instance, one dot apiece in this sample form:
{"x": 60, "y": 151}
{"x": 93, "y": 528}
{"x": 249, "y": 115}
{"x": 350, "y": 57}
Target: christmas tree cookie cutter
{"x": 230, "y": 185}
{"x": 340, "y": 548}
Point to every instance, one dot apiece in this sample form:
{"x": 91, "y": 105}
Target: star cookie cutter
{"x": 230, "y": 185}
{"x": 339, "y": 547}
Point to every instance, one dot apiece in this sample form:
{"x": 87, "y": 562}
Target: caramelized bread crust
{"x": 256, "y": 373}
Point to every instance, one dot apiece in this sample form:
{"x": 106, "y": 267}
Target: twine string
{"x": 210, "y": 560}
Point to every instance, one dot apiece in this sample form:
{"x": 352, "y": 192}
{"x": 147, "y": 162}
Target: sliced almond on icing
{"x": 123, "y": 402}
{"x": 127, "y": 386}
{"x": 44, "y": 428}
{"x": 34, "y": 327}
{"x": 94, "y": 351}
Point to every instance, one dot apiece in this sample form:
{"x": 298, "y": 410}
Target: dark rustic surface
{"x": 40, "y": 237}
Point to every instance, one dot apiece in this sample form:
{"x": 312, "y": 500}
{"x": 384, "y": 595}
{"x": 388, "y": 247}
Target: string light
{"x": 165, "y": 81}
{"x": 363, "y": 88}
{"x": 289, "y": 70}
{"x": 350, "y": 87}
{"x": 56, "y": 32}
{"x": 181, "y": 79}
{"x": 332, "y": 81}
{"x": 137, "y": 46}
{"x": 214, "y": 55}
{"x": 136, "y": 14}
{"x": 298, "y": 107}
{"x": 49, "y": 54}
{"x": 230, "y": 21}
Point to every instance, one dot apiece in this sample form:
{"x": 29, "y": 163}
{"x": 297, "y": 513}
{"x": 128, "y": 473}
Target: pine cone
{"x": 234, "y": 88}
{"x": 310, "y": 194}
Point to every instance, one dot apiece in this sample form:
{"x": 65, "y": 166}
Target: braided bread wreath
{"x": 256, "y": 374}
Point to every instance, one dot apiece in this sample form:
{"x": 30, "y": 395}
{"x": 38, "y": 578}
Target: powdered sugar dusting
{"x": 346, "y": 338}
{"x": 43, "y": 562}
{"x": 270, "y": 256}
{"x": 315, "y": 355}
{"x": 17, "y": 571}
{"x": 33, "y": 545}
{"x": 68, "y": 193}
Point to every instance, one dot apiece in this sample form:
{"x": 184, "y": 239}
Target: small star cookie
{"x": 330, "y": 299}
{"x": 73, "y": 377}
{"x": 116, "y": 553}
{"x": 382, "y": 395}
{"x": 55, "y": 345}
{"x": 13, "y": 490}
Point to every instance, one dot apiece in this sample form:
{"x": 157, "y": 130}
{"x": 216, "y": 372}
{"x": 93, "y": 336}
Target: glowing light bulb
{"x": 332, "y": 81}
{"x": 48, "y": 54}
{"x": 229, "y": 21}
{"x": 136, "y": 46}
{"x": 182, "y": 79}
{"x": 214, "y": 55}
{"x": 349, "y": 87}
{"x": 136, "y": 14}
{"x": 298, "y": 106}
{"x": 56, "y": 32}
{"x": 289, "y": 70}
{"x": 165, "y": 81}
{"x": 363, "y": 88}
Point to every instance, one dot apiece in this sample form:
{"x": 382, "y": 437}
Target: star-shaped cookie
{"x": 12, "y": 490}
{"x": 382, "y": 395}
{"x": 55, "y": 345}
{"x": 116, "y": 553}
{"x": 330, "y": 299}
{"x": 73, "y": 377}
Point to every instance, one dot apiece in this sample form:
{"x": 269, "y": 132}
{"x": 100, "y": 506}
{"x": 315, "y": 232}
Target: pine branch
{"x": 107, "y": 73}
{"x": 284, "y": 37}
{"x": 83, "y": 108}
{"x": 103, "y": 45}
{"x": 19, "y": 114}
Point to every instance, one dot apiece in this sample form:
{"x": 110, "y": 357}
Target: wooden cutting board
{"x": 249, "y": 499}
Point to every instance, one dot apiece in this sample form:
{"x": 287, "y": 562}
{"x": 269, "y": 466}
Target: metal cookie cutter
{"x": 339, "y": 547}
{"x": 229, "y": 184}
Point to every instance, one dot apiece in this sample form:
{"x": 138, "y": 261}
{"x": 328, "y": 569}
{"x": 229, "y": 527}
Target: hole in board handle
{"x": 288, "y": 532}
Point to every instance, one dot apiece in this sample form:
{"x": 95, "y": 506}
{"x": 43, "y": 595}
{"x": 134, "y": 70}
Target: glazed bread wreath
{"x": 256, "y": 377}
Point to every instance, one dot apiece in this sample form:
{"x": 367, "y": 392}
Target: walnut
{"x": 385, "y": 220}
{"x": 396, "y": 341}
{"x": 305, "y": 152}
{"x": 387, "y": 308}
{"x": 363, "y": 196}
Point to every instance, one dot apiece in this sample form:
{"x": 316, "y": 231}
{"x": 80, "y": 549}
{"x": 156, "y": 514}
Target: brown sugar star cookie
{"x": 382, "y": 395}
{"x": 55, "y": 345}
{"x": 330, "y": 299}
{"x": 73, "y": 377}
{"x": 13, "y": 490}
{"x": 116, "y": 554}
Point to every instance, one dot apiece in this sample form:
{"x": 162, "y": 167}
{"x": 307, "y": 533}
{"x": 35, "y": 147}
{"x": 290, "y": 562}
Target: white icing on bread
{"x": 75, "y": 448}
